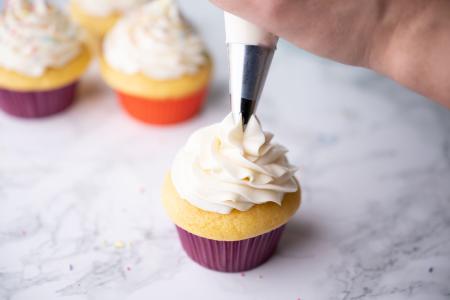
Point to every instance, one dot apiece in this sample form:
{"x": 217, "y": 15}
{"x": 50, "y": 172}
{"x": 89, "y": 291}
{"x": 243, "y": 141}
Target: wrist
{"x": 406, "y": 34}
{"x": 411, "y": 45}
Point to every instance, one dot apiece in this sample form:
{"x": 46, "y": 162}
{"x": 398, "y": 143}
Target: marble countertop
{"x": 81, "y": 217}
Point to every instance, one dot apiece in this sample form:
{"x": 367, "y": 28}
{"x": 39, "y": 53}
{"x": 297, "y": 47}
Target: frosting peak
{"x": 34, "y": 36}
{"x": 222, "y": 168}
{"x": 155, "y": 40}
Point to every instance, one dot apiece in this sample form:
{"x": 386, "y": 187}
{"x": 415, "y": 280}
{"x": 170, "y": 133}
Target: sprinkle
{"x": 128, "y": 269}
{"x": 70, "y": 267}
{"x": 242, "y": 274}
{"x": 119, "y": 244}
{"x": 430, "y": 270}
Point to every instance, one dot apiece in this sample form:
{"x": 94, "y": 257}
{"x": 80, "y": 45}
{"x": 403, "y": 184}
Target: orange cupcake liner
{"x": 163, "y": 111}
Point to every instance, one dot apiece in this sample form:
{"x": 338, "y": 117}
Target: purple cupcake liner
{"x": 37, "y": 104}
{"x": 234, "y": 256}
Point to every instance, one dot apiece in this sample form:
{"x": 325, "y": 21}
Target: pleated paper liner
{"x": 163, "y": 111}
{"x": 37, "y": 104}
{"x": 234, "y": 256}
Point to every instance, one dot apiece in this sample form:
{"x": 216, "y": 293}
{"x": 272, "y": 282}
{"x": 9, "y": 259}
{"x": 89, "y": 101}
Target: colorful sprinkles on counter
{"x": 119, "y": 245}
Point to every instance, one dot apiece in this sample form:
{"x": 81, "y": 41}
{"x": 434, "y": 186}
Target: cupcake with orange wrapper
{"x": 157, "y": 64}
{"x": 99, "y": 16}
{"x": 230, "y": 194}
{"x": 41, "y": 59}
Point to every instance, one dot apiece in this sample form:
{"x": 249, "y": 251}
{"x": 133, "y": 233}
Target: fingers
{"x": 230, "y": 5}
{"x": 337, "y": 29}
{"x": 242, "y": 8}
{"x": 264, "y": 13}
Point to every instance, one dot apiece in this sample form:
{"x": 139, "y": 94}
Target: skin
{"x": 406, "y": 40}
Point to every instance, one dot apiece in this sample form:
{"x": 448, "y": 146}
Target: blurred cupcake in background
{"x": 41, "y": 59}
{"x": 99, "y": 16}
{"x": 157, "y": 64}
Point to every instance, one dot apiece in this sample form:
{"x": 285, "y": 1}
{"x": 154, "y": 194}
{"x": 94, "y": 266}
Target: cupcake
{"x": 157, "y": 64}
{"x": 230, "y": 194}
{"x": 99, "y": 16}
{"x": 41, "y": 59}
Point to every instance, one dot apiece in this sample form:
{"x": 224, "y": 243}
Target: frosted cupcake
{"x": 41, "y": 59}
{"x": 99, "y": 16}
{"x": 157, "y": 64}
{"x": 230, "y": 194}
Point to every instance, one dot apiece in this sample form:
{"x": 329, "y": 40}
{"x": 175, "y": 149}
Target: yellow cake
{"x": 143, "y": 86}
{"x": 97, "y": 25}
{"x": 238, "y": 225}
{"x": 52, "y": 78}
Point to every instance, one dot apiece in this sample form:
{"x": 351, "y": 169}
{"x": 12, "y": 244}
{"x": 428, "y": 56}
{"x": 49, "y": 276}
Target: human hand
{"x": 407, "y": 40}
{"x": 340, "y": 30}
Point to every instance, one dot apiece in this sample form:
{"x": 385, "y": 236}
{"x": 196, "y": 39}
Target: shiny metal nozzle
{"x": 249, "y": 65}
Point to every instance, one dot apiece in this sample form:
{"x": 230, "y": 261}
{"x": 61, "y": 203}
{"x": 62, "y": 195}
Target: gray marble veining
{"x": 80, "y": 215}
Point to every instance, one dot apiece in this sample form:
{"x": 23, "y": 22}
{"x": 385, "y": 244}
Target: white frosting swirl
{"x": 222, "y": 168}
{"x": 156, "y": 41}
{"x": 35, "y": 36}
{"x": 103, "y": 8}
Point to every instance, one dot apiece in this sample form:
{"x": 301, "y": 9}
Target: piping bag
{"x": 250, "y": 53}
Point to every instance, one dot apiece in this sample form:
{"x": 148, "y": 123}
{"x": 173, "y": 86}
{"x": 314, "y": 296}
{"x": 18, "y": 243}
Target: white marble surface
{"x": 80, "y": 211}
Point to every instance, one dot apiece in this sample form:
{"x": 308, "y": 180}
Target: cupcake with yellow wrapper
{"x": 99, "y": 16}
{"x": 41, "y": 59}
{"x": 157, "y": 64}
{"x": 230, "y": 194}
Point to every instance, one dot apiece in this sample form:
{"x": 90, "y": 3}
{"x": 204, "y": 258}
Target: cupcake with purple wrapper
{"x": 42, "y": 58}
{"x": 230, "y": 193}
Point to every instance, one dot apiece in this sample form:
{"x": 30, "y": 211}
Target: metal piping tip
{"x": 249, "y": 66}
